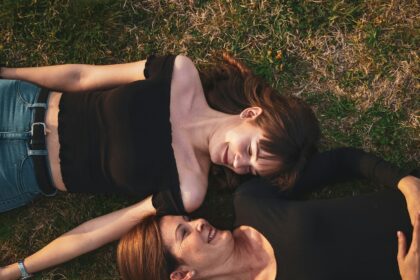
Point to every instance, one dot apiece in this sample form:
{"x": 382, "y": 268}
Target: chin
{"x": 216, "y": 155}
{"x": 226, "y": 240}
{"x": 214, "y": 159}
{"x": 225, "y": 235}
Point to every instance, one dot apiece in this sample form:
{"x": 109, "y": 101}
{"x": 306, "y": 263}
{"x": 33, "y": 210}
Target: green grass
{"x": 355, "y": 62}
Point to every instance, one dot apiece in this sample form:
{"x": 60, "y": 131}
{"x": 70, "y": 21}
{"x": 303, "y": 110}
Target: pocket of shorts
{"x": 26, "y": 178}
{"x": 26, "y": 92}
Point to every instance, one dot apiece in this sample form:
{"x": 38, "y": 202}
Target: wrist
{"x": 24, "y": 274}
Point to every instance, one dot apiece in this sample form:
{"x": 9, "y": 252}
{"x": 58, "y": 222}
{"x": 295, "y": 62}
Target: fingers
{"x": 416, "y": 233}
{"x": 402, "y": 242}
{"x": 402, "y": 246}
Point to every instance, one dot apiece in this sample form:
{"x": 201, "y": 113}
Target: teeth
{"x": 211, "y": 235}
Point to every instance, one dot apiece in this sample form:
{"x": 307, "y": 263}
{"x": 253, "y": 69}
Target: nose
{"x": 240, "y": 164}
{"x": 200, "y": 224}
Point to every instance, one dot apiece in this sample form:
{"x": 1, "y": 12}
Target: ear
{"x": 251, "y": 113}
{"x": 182, "y": 273}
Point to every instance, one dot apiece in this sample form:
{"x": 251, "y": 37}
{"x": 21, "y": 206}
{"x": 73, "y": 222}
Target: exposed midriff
{"x": 53, "y": 144}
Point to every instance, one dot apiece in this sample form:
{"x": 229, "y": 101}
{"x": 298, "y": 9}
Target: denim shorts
{"x": 18, "y": 185}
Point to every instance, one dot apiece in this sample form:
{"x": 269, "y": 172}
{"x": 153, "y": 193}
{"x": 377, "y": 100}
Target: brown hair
{"x": 289, "y": 124}
{"x": 141, "y": 254}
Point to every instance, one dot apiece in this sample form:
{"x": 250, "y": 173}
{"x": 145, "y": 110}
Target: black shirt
{"x": 345, "y": 238}
{"x": 119, "y": 140}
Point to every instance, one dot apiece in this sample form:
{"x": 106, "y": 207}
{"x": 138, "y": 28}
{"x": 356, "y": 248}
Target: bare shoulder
{"x": 187, "y": 94}
{"x": 185, "y": 73}
{"x": 184, "y": 63}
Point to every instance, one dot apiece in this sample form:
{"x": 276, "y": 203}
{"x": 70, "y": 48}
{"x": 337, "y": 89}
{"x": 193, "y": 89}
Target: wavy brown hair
{"x": 290, "y": 126}
{"x": 141, "y": 254}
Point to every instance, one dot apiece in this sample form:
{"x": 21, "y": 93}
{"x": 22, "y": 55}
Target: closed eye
{"x": 184, "y": 231}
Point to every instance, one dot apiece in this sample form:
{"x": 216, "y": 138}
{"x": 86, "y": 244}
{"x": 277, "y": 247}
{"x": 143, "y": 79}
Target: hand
{"x": 409, "y": 262}
{"x": 410, "y": 187}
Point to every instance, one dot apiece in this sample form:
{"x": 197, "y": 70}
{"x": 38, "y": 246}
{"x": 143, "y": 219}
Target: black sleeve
{"x": 157, "y": 67}
{"x": 344, "y": 164}
{"x": 169, "y": 202}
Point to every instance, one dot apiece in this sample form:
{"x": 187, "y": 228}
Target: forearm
{"x": 358, "y": 164}
{"x": 77, "y": 77}
{"x": 66, "y": 77}
{"x": 58, "y": 251}
{"x": 85, "y": 238}
{"x": 344, "y": 164}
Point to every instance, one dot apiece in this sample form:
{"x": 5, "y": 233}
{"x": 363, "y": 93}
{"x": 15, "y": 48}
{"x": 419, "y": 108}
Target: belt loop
{"x": 38, "y": 105}
{"x": 42, "y": 100}
{"x": 37, "y": 152}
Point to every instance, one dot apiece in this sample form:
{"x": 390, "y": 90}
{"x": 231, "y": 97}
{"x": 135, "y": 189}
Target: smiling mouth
{"x": 225, "y": 156}
{"x": 212, "y": 234}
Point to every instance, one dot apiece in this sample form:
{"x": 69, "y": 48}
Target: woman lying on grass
{"x": 141, "y": 129}
{"x": 272, "y": 238}
{"x": 108, "y": 130}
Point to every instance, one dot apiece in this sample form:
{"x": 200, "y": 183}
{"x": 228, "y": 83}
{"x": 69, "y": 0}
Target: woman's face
{"x": 238, "y": 148}
{"x": 196, "y": 243}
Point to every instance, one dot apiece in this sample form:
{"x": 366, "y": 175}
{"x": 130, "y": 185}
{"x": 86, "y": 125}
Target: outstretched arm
{"x": 83, "y": 239}
{"x": 77, "y": 77}
{"x": 344, "y": 164}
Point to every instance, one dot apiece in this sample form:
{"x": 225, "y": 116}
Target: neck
{"x": 202, "y": 126}
{"x": 249, "y": 259}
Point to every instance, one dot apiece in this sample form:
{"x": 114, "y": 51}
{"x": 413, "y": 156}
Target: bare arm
{"x": 83, "y": 239}
{"x": 410, "y": 187}
{"x": 77, "y": 77}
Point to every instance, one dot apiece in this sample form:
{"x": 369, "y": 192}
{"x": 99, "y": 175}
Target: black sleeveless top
{"x": 119, "y": 140}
